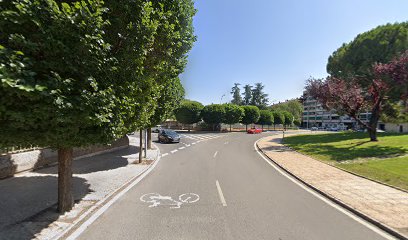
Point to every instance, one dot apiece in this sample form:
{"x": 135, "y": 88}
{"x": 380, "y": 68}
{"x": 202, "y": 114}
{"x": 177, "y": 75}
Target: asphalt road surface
{"x": 216, "y": 186}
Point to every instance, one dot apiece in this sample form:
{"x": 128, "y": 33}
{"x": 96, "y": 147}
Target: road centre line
{"x": 165, "y": 154}
{"x": 215, "y": 154}
{"x": 188, "y": 145}
{"x": 224, "y": 203}
{"x": 174, "y": 151}
{"x": 194, "y": 143}
{"x": 181, "y": 148}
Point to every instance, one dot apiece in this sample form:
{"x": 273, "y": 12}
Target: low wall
{"x": 11, "y": 164}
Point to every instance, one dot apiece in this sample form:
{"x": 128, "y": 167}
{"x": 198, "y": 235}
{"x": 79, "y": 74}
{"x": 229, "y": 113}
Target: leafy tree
{"x": 251, "y": 115}
{"x": 288, "y": 118}
{"x": 350, "y": 97}
{"x": 297, "y": 122}
{"x": 236, "y": 94}
{"x": 265, "y": 118}
{"x": 357, "y": 58}
{"x": 213, "y": 114}
{"x": 279, "y": 118}
{"x": 167, "y": 57}
{"x": 189, "y": 112}
{"x": 259, "y": 98}
{"x": 233, "y": 114}
{"x": 293, "y": 106}
{"x": 52, "y": 56}
{"x": 247, "y": 95}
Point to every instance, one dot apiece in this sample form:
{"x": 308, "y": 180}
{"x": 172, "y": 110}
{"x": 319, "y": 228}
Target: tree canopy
{"x": 288, "y": 118}
{"x": 236, "y": 94}
{"x": 247, "y": 95}
{"x": 293, "y": 106}
{"x": 213, "y": 114}
{"x": 380, "y": 44}
{"x": 265, "y": 117}
{"x": 189, "y": 112}
{"x": 259, "y": 97}
{"x": 233, "y": 114}
{"x": 251, "y": 114}
{"x": 279, "y": 117}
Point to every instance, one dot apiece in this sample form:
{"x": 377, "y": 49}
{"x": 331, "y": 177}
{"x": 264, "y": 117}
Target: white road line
{"x": 327, "y": 201}
{"x": 188, "y": 145}
{"x": 226, "y": 143}
{"x": 174, "y": 151}
{"x": 224, "y": 203}
{"x": 164, "y": 154}
{"x": 194, "y": 143}
{"x": 215, "y": 154}
{"x": 181, "y": 148}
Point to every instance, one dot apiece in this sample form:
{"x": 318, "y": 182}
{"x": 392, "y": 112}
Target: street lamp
{"x": 223, "y": 95}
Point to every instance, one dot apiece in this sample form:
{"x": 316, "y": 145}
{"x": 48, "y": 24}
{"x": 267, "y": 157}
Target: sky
{"x": 280, "y": 43}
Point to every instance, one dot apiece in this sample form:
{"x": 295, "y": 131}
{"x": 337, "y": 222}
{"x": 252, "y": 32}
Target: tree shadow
{"x": 101, "y": 162}
{"x": 29, "y": 204}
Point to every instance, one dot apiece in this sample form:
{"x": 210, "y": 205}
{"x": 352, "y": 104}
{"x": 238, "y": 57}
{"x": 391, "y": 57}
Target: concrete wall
{"x": 395, "y": 127}
{"x": 19, "y": 162}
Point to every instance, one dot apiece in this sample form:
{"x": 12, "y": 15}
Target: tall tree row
{"x": 77, "y": 73}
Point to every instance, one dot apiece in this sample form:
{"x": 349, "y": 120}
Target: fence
{"x": 17, "y": 149}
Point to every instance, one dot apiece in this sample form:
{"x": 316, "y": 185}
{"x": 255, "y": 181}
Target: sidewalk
{"x": 385, "y": 205}
{"x": 28, "y": 200}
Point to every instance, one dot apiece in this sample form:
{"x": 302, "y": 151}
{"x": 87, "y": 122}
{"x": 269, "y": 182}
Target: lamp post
{"x": 223, "y": 95}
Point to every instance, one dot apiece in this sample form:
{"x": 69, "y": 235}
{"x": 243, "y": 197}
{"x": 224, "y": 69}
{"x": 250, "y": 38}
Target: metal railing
{"x": 17, "y": 149}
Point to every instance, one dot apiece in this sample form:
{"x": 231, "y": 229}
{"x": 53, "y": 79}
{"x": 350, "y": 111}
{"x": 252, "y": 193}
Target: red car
{"x": 254, "y": 130}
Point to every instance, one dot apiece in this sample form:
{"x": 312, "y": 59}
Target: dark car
{"x": 168, "y": 136}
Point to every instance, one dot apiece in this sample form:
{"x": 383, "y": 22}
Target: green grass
{"x": 385, "y": 160}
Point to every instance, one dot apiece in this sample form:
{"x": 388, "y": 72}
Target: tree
{"x": 356, "y": 59}
{"x": 293, "y": 106}
{"x": 213, "y": 114}
{"x": 247, "y": 95}
{"x": 279, "y": 118}
{"x": 251, "y": 115}
{"x": 265, "y": 118}
{"x": 167, "y": 57}
{"x": 236, "y": 94}
{"x": 189, "y": 112}
{"x": 288, "y": 119}
{"x": 259, "y": 98}
{"x": 52, "y": 55}
{"x": 233, "y": 114}
{"x": 350, "y": 97}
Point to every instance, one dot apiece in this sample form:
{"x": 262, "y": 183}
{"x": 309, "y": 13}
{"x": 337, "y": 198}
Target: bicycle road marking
{"x": 155, "y": 200}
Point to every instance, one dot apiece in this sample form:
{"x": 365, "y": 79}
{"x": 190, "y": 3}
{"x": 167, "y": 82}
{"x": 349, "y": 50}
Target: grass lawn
{"x": 385, "y": 160}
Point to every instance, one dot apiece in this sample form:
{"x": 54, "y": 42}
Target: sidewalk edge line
{"x": 353, "y": 213}
{"x": 101, "y": 206}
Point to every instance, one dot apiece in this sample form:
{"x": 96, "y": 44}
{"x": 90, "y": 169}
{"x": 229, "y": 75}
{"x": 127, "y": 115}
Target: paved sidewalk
{"x": 28, "y": 200}
{"x": 384, "y": 204}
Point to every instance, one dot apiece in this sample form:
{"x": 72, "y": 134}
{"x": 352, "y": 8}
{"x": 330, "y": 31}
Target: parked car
{"x": 156, "y": 128}
{"x": 314, "y": 129}
{"x": 334, "y": 129}
{"x": 254, "y": 130}
{"x": 168, "y": 136}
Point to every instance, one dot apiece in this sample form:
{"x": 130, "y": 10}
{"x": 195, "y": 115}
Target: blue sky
{"x": 279, "y": 43}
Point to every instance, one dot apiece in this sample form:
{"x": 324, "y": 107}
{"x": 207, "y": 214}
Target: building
{"x": 314, "y": 115}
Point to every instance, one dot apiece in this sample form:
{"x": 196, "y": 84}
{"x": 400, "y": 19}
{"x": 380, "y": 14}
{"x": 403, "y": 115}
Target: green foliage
{"x": 293, "y": 106}
{"x": 247, "y": 95}
{"x": 297, "y": 122}
{"x": 189, "y": 112}
{"x": 288, "y": 118}
{"x": 279, "y": 117}
{"x": 233, "y": 114}
{"x": 251, "y": 114}
{"x": 236, "y": 94}
{"x": 52, "y": 56}
{"x": 380, "y": 44}
{"x": 259, "y": 98}
{"x": 266, "y": 117}
{"x": 213, "y": 113}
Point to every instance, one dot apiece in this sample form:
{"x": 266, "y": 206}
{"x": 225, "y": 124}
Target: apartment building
{"x": 314, "y": 115}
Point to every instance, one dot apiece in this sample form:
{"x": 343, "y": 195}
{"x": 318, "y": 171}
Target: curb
{"x": 107, "y": 201}
{"x": 384, "y": 227}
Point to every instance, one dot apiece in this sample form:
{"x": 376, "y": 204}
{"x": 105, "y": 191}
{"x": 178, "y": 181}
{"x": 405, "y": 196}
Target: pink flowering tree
{"x": 348, "y": 96}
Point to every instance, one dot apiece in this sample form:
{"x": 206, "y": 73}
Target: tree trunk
{"x": 188, "y": 127}
{"x": 65, "y": 197}
{"x": 262, "y": 127}
{"x": 140, "y": 145}
{"x": 375, "y": 116}
{"x": 149, "y": 138}
{"x": 274, "y": 127}
{"x": 230, "y": 127}
{"x": 246, "y": 127}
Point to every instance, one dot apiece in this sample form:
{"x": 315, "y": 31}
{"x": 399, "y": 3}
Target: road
{"x": 220, "y": 188}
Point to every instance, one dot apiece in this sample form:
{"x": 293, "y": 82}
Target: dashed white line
{"x": 224, "y": 203}
{"x": 174, "y": 151}
{"x": 194, "y": 143}
{"x": 188, "y": 145}
{"x": 165, "y": 154}
{"x": 226, "y": 143}
{"x": 215, "y": 154}
{"x": 181, "y": 148}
